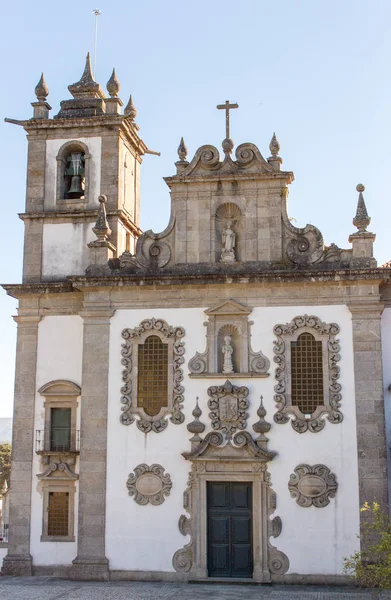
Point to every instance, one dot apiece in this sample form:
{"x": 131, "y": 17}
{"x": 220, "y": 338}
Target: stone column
{"x": 18, "y": 560}
{"x": 91, "y": 562}
{"x": 371, "y": 437}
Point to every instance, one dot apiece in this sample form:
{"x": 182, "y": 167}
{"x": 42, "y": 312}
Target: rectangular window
{"x": 58, "y": 513}
{"x": 60, "y": 429}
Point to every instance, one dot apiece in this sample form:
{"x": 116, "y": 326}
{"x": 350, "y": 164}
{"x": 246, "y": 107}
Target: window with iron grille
{"x": 308, "y": 391}
{"x": 307, "y": 373}
{"x": 152, "y": 382}
{"x": 58, "y": 514}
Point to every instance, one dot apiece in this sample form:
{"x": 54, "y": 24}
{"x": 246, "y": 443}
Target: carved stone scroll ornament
{"x": 278, "y": 562}
{"x": 312, "y": 486}
{"x": 149, "y": 484}
{"x": 61, "y": 469}
{"x": 324, "y": 332}
{"x": 171, "y": 336}
{"x": 228, "y": 404}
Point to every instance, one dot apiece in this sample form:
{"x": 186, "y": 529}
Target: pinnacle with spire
{"x": 361, "y": 220}
{"x": 102, "y": 229}
{"x": 130, "y": 111}
{"x": 86, "y": 87}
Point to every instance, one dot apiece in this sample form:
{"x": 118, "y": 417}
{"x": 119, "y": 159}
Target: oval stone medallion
{"x": 312, "y": 486}
{"x": 149, "y": 484}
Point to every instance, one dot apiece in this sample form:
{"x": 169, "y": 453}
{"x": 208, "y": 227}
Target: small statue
{"x": 227, "y": 351}
{"x": 228, "y": 240}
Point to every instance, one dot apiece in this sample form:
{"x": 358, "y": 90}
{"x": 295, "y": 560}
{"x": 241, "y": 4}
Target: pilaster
{"x": 371, "y": 440}
{"x": 18, "y": 560}
{"x": 91, "y": 562}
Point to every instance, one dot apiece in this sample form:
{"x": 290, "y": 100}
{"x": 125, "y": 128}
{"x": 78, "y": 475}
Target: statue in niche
{"x": 227, "y": 351}
{"x": 228, "y": 240}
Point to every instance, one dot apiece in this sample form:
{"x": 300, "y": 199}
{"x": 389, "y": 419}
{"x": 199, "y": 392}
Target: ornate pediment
{"x": 207, "y": 161}
{"x": 229, "y": 307}
{"x": 241, "y": 448}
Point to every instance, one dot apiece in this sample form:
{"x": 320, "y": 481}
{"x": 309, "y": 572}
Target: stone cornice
{"x": 90, "y": 215}
{"x": 128, "y": 128}
{"x": 83, "y": 283}
{"x": 286, "y": 176}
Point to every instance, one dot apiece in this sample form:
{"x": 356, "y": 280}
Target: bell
{"x": 75, "y": 191}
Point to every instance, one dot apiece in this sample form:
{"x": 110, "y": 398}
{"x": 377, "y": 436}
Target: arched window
{"x": 307, "y": 373}
{"x": 72, "y": 172}
{"x": 152, "y": 383}
{"x": 308, "y": 392}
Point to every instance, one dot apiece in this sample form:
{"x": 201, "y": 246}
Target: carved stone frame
{"x": 242, "y": 462}
{"x": 59, "y": 394}
{"x": 229, "y": 314}
{"x": 312, "y": 485}
{"x": 57, "y": 484}
{"x": 156, "y": 476}
{"x": 172, "y": 336}
{"x": 324, "y": 332}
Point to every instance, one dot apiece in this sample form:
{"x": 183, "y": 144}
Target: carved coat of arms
{"x": 228, "y": 405}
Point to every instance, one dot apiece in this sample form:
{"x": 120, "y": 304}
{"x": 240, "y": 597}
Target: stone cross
{"x": 227, "y": 107}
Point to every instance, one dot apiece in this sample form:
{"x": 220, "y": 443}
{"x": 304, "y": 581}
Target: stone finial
{"x": 41, "y": 89}
{"x": 196, "y": 427}
{"x": 182, "y": 150}
{"x": 102, "y": 229}
{"x": 361, "y": 220}
{"x": 274, "y": 160}
{"x": 274, "y": 145}
{"x": 261, "y": 426}
{"x": 182, "y": 163}
{"x": 228, "y": 146}
{"x": 113, "y": 85}
{"x": 41, "y": 108}
{"x": 130, "y": 110}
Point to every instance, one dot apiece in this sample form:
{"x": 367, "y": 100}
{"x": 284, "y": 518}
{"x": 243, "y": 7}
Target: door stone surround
{"x": 238, "y": 461}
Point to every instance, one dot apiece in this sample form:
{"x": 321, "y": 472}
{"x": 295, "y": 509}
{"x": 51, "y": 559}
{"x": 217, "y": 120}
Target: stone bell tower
{"x": 88, "y": 150}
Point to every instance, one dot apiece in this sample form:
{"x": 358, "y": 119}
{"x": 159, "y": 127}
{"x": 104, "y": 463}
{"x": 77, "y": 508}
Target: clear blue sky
{"x": 316, "y": 72}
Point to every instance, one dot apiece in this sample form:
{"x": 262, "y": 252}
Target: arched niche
{"x": 65, "y": 164}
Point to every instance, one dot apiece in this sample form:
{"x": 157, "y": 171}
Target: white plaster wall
{"x": 60, "y": 344}
{"x": 315, "y": 540}
{"x": 3, "y": 552}
{"x": 65, "y": 251}
{"x": 94, "y": 145}
{"x": 386, "y": 351}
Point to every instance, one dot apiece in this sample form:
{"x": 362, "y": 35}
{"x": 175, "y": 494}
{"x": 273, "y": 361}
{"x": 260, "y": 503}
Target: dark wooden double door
{"x": 230, "y": 551}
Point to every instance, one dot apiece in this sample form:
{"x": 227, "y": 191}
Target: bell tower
{"x": 89, "y": 150}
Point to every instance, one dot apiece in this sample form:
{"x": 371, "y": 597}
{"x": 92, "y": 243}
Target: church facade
{"x": 205, "y": 402}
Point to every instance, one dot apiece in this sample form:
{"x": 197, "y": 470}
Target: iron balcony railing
{"x": 60, "y": 439}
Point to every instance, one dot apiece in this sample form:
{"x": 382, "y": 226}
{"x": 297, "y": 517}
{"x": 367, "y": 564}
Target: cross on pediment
{"x": 227, "y": 107}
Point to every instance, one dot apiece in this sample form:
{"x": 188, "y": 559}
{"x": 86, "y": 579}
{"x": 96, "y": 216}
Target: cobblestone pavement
{"x": 50, "y": 588}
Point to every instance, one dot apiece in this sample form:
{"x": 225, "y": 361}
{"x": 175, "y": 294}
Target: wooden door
{"x": 230, "y": 552}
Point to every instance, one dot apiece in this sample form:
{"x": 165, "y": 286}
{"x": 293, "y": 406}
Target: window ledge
{"x": 58, "y": 538}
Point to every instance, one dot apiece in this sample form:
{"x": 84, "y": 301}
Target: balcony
{"x": 59, "y": 440}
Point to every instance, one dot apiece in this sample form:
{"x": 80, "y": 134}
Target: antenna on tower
{"x": 95, "y": 12}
